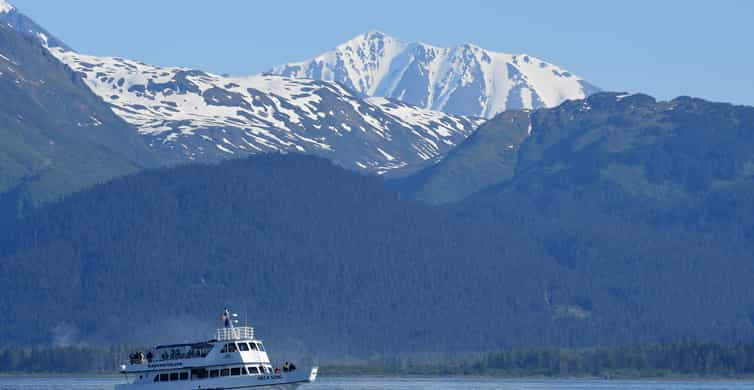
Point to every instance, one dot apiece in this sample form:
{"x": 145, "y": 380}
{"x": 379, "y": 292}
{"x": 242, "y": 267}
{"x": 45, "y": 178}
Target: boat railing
{"x": 238, "y": 333}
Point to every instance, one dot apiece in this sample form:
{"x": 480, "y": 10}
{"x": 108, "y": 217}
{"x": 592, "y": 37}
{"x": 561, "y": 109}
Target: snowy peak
{"x": 190, "y": 115}
{"x": 6, "y": 7}
{"x": 464, "y": 80}
{"x": 362, "y": 62}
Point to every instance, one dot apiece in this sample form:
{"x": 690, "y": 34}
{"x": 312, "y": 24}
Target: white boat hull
{"x": 283, "y": 381}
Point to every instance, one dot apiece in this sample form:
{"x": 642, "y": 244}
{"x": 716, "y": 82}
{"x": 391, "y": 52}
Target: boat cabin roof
{"x": 203, "y": 344}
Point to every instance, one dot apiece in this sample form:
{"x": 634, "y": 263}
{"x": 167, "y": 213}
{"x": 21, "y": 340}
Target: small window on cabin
{"x": 173, "y": 376}
{"x": 261, "y": 348}
{"x": 184, "y": 376}
{"x": 156, "y": 378}
{"x": 225, "y": 348}
{"x": 243, "y": 371}
{"x": 225, "y": 372}
{"x": 214, "y": 373}
{"x": 243, "y": 347}
{"x": 253, "y": 346}
{"x": 235, "y": 371}
{"x": 164, "y": 377}
{"x": 253, "y": 370}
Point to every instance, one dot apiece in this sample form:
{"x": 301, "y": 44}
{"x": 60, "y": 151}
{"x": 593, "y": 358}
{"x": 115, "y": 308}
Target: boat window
{"x": 253, "y": 370}
{"x": 214, "y": 373}
{"x": 235, "y": 371}
{"x": 163, "y": 377}
{"x": 243, "y": 346}
{"x": 173, "y": 376}
{"x": 156, "y": 378}
{"x": 243, "y": 371}
{"x": 228, "y": 348}
{"x": 253, "y": 346}
{"x": 184, "y": 376}
{"x": 199, "y": 373}
{"x": 224, "y": 372}
{"x": 261, "y": 348}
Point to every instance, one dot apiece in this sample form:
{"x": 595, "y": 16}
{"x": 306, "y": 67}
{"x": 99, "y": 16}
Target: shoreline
{"x": 324, "y": 375}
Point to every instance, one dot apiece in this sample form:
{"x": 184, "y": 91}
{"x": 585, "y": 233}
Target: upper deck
{"x": 230, "y": 345}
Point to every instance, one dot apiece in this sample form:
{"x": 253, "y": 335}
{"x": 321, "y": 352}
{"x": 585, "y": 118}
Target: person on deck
{"x": 285, "y": 367}
{"x": 226, "y": 318}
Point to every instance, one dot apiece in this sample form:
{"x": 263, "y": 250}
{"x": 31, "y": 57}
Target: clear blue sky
{"x": 664, "y": 48}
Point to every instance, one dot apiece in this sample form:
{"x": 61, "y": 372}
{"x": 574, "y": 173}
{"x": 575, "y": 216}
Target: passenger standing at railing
{"x": 226, "y": 318}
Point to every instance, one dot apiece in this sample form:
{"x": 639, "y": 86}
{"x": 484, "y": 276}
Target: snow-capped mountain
{"x": 193, "y": 115}
{"x": 9, "y": 16}
{"x": 461, "y": 80}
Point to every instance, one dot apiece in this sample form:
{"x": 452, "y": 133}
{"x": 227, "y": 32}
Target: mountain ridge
{"x": 444, "y": 79}
{"x": 13, "y": 18}
{"x": 615, "y": 124}
{"x": 191, "y": 115}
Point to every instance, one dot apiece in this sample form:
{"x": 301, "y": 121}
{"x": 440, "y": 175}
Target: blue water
{"x": 361, "y": 383}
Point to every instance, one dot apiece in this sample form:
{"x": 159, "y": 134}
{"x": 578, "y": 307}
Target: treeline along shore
{"x": 642, "y": 361}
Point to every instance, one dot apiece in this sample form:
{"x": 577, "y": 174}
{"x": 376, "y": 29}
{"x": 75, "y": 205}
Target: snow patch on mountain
{"x": 12, "y": 18}
{"x": 462, "y": 80}
{"x": 195, "y": 115}
{"x": 6, "y": 7}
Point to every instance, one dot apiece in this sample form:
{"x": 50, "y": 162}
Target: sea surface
{"x": 372, "y": 383}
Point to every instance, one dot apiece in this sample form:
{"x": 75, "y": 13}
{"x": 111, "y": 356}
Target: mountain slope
{"x": 462, "y": 80}
{"x": 630, "y": 139}
{"x": 652, "y": 200}
{"x": 321, "y": 257}
{"x": 190, "y": 115}
{"x": 56, "y": 135}
{"x": 12, "y": 18}
{"x": 487, "y": 157}
{"x": 330, "y": 259}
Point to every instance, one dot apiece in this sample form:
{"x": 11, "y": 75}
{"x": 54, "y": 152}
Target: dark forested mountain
{"x": 664, "y": 151}
{"x": 487, "y": 157}
{"x": 609, "y": 220}
{"x": 315, "y": 253}
{"x": 57, "y": 136}
{"x": 326, "y": 258}
{"x": 651, "y": 201}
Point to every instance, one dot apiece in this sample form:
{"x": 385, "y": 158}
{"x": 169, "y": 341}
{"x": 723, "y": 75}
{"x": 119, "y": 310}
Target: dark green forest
{"x": 626, "y": 223}
{"x": 646, "y": 361}
{"x": 653, "y": 360}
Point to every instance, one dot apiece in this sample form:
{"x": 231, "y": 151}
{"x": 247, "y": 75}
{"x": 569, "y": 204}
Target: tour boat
{"x": 233, "y": 359}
